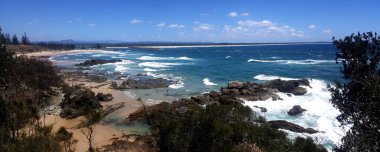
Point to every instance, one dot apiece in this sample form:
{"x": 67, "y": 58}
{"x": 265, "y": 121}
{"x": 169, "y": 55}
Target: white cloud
{"x": 69, "y": 21}
{"x": 161, "y": 25}
{"x": 176, "y": 26}
{"x": 264, "y": 28}
{"x": 232, "y": 14}
{"x": 244, "y": 14}
{"x": 327, "y": 31}
{"x": 253, "y": 23}
{"x": 230, "y": 29}
{"x": 91, "y": 25}
{"x": 312, "y": 26}
{"x": 136, "y": 21}
{"x": 204, "y": 27}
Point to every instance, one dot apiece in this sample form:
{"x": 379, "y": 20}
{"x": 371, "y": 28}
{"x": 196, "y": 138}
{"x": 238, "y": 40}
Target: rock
{"x": 289, "y": 94}
{"x": 76, "y": 99}
{"x": 262, "y": 109}
{"x": 299, "y": 91}
{"x": 291, "y": 86}
{"x": 296, "y": 110}
{"x": 104, "y": 97}
{"x": 235, "y": 84}
{"x": 145, "y": 83}
{"x": 282, "y": 124}
{"x": 96, "y": 62}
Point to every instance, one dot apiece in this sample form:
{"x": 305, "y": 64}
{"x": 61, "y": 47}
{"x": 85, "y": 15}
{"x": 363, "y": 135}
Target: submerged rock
{"x": 282, "y": 124}
{"x": 143, "y": 81}
{"x": 96, "y": 62}
{"x": 296, "y": 110}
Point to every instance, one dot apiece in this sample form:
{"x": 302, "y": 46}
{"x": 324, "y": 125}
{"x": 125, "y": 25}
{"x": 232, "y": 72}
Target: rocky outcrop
{"x": 228, "y": 95}
{"x": 296, "y": 110}
{"x": 132, "y": 142}
{"x": 282, "y": 124}
{"x": 143, "y": 81}
{"x": 104, "y": 97}
{"x": 183, "y": 104}
{"x": 76, "y": 100}
{"x": 96, "y": 62}
{"x": 290, "y": 86}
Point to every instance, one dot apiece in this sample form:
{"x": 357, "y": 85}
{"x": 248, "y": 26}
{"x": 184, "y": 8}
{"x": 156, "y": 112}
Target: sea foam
{"x": 308, "y": 61}
{"x": 320, "y": 115}
{"x": 159, "y": 64}
{"x": 152, "y": 58}
{"x": 207, "y": 82}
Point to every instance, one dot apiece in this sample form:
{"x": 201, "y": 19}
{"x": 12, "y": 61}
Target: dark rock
{"x": 291, "y": 86}
{"x": 142, "y": 82}
{"x": 235, "y": 84}
{"x": 262, "y": 109}
{"x": 104, "y": 97}
{"x": 282, "y": 124}
{"x": 289, "y": 94}
{"x": 96, "y": 62}
{"x": 296, "y": 110}
{"x": 76, "y": 100}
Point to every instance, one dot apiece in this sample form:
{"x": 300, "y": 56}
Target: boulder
{"x": 282, "y": 124}
{"x": 76, "y": 100}
{"x": 235, "y": 84}
{"x": 104, "y": 97}
{"x": 296, "y": 110}
{"x": 290, "y": 86}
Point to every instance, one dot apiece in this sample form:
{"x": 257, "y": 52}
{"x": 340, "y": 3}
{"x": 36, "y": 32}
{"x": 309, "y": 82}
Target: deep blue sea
{"x": 202, "y": 69}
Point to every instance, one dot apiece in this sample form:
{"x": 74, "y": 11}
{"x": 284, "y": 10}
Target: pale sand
{"x": 103, "y": 133}
{"x": 55, "y": 53}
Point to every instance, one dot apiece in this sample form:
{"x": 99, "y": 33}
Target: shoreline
{"x": 104, "y": 131}
{"x": 55, "y": 53}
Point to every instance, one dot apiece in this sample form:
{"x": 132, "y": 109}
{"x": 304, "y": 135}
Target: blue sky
{"x": 189, "y": 20}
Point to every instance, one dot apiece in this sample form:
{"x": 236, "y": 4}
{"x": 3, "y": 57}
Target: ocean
{"x": 203, "y": 69}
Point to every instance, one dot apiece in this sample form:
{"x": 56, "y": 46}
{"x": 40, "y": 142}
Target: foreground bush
{"x": 220, "y": 127}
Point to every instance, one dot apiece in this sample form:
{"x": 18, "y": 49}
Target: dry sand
{"x": 103, "y": 133}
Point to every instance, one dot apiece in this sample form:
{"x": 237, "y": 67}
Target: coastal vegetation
{"x": 26, "y": 86}
{"x": 358, "y": 99}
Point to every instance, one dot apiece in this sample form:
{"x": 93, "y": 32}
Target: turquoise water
{"x": 204, "y": 69}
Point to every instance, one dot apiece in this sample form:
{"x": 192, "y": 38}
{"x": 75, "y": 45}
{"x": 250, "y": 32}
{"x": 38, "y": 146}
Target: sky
{"x": 189, "y": 20}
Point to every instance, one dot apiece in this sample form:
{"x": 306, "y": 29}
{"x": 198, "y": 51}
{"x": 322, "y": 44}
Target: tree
{"x": 7, "y": 39}
{"x": 15, "y": 40}
{"x": 25, "y": 39}
{"x": 358, "y": 98}
{"x": 93, "y": 117}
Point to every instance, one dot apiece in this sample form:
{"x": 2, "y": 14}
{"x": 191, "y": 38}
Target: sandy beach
{"x": 54, "y": 53}
{"x": 103, "y": 132}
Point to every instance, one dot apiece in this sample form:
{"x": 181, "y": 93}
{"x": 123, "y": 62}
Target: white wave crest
{"x": 207, "y": 82}
{"x": 228, "y": 57}
{"x": 308, "y": 61}
{"x": 152, "y": 58}
{"x": 320, "y": 115}
{"x": 177, "y": 85}
{"x": 121, "y": 68}
{"x": 150, "y": 70}
{"x": 159, "y": 64}
{"x": 271, "y": 77}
